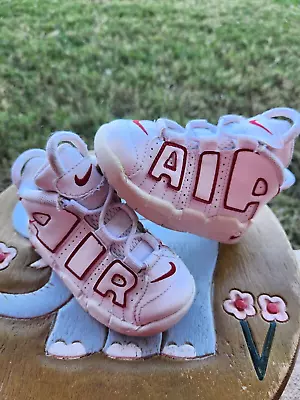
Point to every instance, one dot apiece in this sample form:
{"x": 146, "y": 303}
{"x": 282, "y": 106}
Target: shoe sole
{"x": 157, "y": 210}
{"x": 100, "y": 314}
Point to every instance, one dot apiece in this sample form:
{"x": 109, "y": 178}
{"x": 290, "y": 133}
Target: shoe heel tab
{"x": 289, "y": 180}
{"x": 52, "y": 146}
{"x": 20, "y": 163}
{"x": 290, "y": 114}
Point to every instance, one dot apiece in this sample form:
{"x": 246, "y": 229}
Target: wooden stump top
{"x": 263, "y": 263}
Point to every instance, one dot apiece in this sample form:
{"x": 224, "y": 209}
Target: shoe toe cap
{"x": 127, "y": 140}
{"x": 167, "y": 295}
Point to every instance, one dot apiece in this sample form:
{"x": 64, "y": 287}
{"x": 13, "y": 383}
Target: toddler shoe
{"x": 204, "y": 179}
{"x": 119, "y": 273}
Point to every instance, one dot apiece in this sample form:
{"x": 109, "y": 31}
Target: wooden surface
{"x": 263, "y": 263}
{"x": 292, "y": 390}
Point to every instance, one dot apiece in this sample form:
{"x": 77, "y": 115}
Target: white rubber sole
{"x": 157, "y": 210}
{"x": 102, "y": 315}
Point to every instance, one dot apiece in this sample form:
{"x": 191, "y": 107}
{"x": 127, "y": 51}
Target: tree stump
{"x": 239, "y": 340}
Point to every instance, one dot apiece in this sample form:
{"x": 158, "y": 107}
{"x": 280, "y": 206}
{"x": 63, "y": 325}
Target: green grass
{"x": 74, "y": 64}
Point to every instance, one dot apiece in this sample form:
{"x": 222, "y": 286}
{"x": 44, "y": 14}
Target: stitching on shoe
{"x": 150, "y": 301}
{"x": 145, "y": 287}
{"x": 143, "y": 158}
{"x": 75, "y": 166}
{"x": 225, "y": 176}
{"x": 153, "y": 187}
{"x": 88, "y": 193}
{"x": 191, "y": 180}
{"x": 40, "y": 170}
{"x": 135, "y": 169}
{"x": 145, "y": 290}
{"x": 137, "y": 317}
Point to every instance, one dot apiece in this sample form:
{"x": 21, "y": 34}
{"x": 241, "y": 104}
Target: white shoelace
{"x": 173, "y": 131}
{"x": 109, "y": 205}
{"x": 132, "y": 235}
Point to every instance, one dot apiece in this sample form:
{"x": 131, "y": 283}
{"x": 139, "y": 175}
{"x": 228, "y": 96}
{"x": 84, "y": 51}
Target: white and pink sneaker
{"x": 204, "y": 179}
{"x": 120, "y": 273}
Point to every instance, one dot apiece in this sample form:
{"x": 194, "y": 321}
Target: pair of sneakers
{"x": 204, "y": 179}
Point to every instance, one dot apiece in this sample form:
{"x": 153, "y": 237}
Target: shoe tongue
{"x": 267, "y": 130}
{"x": 119, "y": 224}
{"x": 80, "y": 180}
{"x": 45, "y": 178}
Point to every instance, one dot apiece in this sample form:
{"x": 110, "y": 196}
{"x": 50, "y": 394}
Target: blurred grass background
{"x": 75, "y": 64}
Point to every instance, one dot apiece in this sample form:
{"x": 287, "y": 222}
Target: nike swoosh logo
{"x": 84, "y": 180}
{"x": 167, "y": 274}
{"x": 254, "y": 122}
{"x": 137, "y": 122}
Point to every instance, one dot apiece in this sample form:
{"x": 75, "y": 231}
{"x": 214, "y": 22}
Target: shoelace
{"x": 173, "y": 131}
{"x": 190, "y": 134}
{"x": 109, "y": 205}
{"x": 132, "y": 235}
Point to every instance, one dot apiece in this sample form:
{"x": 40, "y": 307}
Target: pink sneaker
{"x": 203, "y": 179}
{"x": 121, "y": 274}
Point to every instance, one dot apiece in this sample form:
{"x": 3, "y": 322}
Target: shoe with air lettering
{"x": 204, "y": 179}
{"x": 120, "y": 274}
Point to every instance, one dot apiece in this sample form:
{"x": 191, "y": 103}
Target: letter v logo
{"x": 260, "y": 362}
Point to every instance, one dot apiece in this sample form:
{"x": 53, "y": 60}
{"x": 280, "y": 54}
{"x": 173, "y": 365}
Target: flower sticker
{"x": 6, "y": 255}
{"x": 240, "y": 304}
{"x": 273, "y": 308}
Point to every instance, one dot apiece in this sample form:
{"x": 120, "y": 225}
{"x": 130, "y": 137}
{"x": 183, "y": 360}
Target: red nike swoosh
{"x": 235, "y": 236}
{"x": 84, "y": 180}
{"x": 135, "y": 121}
{"x": 167, "y": 274}
{"x": 254, "y": 122}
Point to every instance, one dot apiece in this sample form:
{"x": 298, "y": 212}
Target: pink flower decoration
{"x": 273, "y": 308}
{"x": 6, "y": 255}
{"x": 240, "y": 304}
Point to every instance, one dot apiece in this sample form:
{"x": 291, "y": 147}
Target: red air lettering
{"x": 86, "y": 252}
{"x": 85, "y": 255}
{"x": 118, "y": 280}
{"x": 245, "y": 186}
{"x": 206, "y": 178}
{"x": 170, "y": 163}
{"x": 49, "y": 229}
